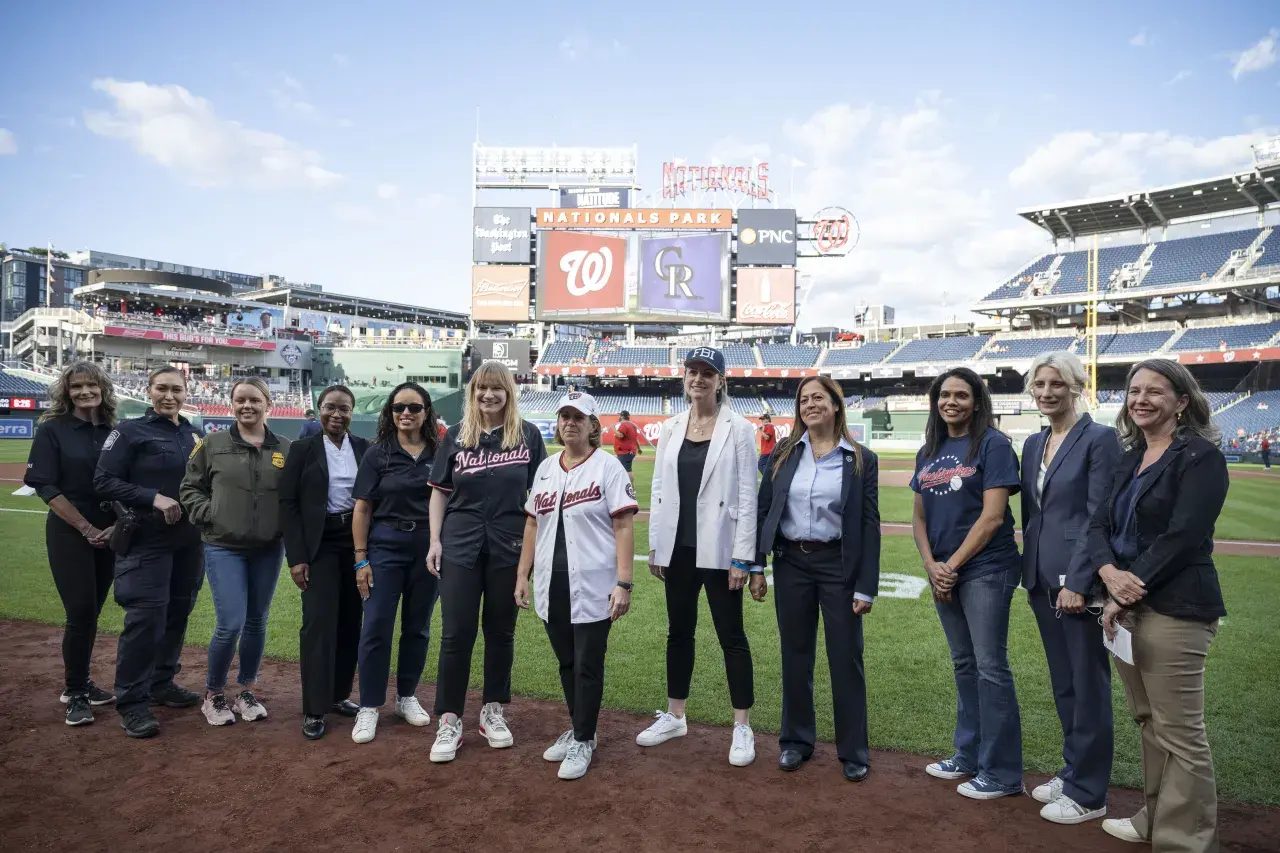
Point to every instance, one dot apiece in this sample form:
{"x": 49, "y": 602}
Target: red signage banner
{"x": 188, "y": 338}
{"x": 1229, "y": 356}
{"x": 673, "y": 372}
{"x": 26, "y": 404}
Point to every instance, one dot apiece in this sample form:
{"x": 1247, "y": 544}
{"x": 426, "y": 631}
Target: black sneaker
{"x": 346, "y": 708}
{"x": 174, "y": 696}
{"x": 139, "y": 723}
{"x": 97, "y": 696}
{"x": 78, "y": 711}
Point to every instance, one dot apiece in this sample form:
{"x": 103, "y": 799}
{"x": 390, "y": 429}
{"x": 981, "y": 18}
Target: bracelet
{"x": 361, "y": 550}
{"x": 360, "y": 565}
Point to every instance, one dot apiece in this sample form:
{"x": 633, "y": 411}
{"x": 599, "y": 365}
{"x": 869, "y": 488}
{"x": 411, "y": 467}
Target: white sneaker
{"x": 1122, "y": 828}
{"x": 1065, "y": 810}
{"x": 248, "y": 707}
{"x": 217, "y": 711}
{"x": 558, "y": 750}
{"x": 664, "y": 728}
{"x": 448, "y": 739}
{"x": 577, "y": 760}
{"x": 494, "y": 726}
{"x": 366, "y": 725}
{"x": 743, "y": 751}
{"x": 410, "y": 710}
{"x": 1048, "y": 792}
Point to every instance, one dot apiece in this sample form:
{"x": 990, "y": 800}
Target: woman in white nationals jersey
{"x": 578, "y": 544}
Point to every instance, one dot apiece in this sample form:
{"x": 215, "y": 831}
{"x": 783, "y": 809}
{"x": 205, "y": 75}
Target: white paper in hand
{"x": 1122, "y": 645}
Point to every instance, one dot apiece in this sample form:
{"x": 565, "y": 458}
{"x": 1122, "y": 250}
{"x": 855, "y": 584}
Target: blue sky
{"x": 330, "y": 142}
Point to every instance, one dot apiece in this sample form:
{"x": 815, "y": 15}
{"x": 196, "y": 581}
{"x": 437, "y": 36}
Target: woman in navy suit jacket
{"x": 1066, "y": 473}
{"x": 819, "y": 515}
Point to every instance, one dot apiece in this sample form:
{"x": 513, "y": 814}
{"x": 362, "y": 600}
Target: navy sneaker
{"x": 78, "y": 711}
{"x": 981, "y": 788}
{"x": 947, "y": 769}
{"x": 174, "y": 696}
{"x": 139, "y": 723}
{"x": 97, "y": 696}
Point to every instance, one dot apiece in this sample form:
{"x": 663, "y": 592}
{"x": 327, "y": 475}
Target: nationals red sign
{"x": 187, "y": 338}
{"x": 1228, "y": 356}
{"x": 671, "y": 372}
{"x": 581, "y": 273}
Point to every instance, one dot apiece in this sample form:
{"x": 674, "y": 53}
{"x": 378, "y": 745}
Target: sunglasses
{"x": 411, "y": 408}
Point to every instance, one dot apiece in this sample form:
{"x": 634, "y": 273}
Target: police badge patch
{"x": 111, "y": 440}
{"x": 277, "y": 459}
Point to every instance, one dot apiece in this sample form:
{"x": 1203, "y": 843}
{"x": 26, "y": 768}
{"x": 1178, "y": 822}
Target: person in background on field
{"x": 231, "y": 493}
{"x": 1265, "y": 449}
{"x": 963, "y": 528}
{"x": 702, "y": 533}
{"x": 81, "y": 415}
{"x": 310, "y": 426}
{"x": 579, "y": 543}
{"x": 626, "y": 443}
{"x": 819, "y": 515}
{"x": 316, "y": 506}
{"x": 1066, "y": 474}
{"x": 390, "y": 529}
{"x": 157, "y": 581}
{"x": 483, "y": 470}
{"x": 1151, "y": 542}
{"x": 768, "y": 440}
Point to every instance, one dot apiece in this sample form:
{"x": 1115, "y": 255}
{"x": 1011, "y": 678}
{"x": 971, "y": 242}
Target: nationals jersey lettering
{"x": 931, "y": 477}
{"x": 470, "y": 461}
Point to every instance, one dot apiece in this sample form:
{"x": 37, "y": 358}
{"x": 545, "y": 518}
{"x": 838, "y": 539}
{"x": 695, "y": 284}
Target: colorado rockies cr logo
{"x": 676, "y": 275}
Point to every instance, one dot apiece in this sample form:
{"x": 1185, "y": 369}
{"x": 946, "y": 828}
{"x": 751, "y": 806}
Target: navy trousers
{"x": 400, "y": 578}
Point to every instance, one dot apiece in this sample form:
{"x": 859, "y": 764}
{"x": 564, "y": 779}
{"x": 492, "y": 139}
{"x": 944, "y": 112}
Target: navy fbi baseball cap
{"x": 713, "y": 358}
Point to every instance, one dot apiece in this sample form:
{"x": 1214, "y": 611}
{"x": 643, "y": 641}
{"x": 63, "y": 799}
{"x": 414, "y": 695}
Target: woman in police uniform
{"x": 231, "y": 494}
{"x": 578, "y": 542}
{"x": 390, "y": 529}
{"x": 141, "y": 467}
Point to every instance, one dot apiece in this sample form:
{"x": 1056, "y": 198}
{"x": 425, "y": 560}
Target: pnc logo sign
{"x": 776, "y": 236}
{"x": 766, "y": 237}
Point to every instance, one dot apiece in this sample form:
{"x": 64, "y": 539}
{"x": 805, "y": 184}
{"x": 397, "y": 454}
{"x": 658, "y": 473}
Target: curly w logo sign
{"x": 581, "y": 273}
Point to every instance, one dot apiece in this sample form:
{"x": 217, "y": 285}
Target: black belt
{"x": 811, "y": 546}
{"x": 338, "y": 518}
{"x": 403, "y": 526}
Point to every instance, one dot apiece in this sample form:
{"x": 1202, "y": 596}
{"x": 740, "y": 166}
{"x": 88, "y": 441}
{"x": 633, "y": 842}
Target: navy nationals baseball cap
{"x": 713, "y": 358}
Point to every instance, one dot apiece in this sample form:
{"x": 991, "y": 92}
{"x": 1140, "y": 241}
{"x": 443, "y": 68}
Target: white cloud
{"x": 731, "y": 149}
{"x": 430, "y": 201}
{"x": 1085, "y": 163}
{"x": 354, "y": 214}
{"x": 387, "y": 192}
{"x": 1257, "y": 58}
{"x": 182, "y": 132}
{"x": 582, "y": 45}
{"x": 8, "y": 143}
{"x": 1179, "y": 77}
{"x": 1141, "y": 39}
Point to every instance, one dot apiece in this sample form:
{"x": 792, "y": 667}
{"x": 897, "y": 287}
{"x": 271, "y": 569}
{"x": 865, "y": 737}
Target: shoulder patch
{"x": 631, "y": 492}
{"x": 199, "y": 444}
{"x": 277, "y": 459}
{"x": 111, "y": 439}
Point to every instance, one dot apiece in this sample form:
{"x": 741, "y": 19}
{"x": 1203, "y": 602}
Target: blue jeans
{"x": 243, "y": 583}
{"x": 988, "y": 735}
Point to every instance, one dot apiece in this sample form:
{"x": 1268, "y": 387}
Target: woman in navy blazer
{"x": 1066, "y": 473}
{"x": 819, "y": 515}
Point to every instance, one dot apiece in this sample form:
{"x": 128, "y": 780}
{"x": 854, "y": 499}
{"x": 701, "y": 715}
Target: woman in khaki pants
{"x": 1153, "y": 542}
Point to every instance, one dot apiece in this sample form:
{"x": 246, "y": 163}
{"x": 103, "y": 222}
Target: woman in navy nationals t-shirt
{"x": 963, "y": 527}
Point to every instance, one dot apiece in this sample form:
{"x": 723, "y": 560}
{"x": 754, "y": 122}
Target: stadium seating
{"x": 1270, "y": 250}
{"x": 612, "y": 401}
{"x": 678, "y": 405}
{"x": 735, "y": 355}
{"x": 1236, "y": 337}
{"x": 1020, "y": 282}
{"x": 781, "y": 404}
{"x": 1194, "y": 258}
{"x": 17, "y": 385}
{"x": 538, "y": 402}
{"x": 1027, "y": 347}
{"x": 1132, "y": 343}
{"x": 1074, "y": 270}
{"x": 788, "y": 355}
{"x": 633, "y": 356}
{"x": 1254, "y": 414}
{"x": 563, "y": 352}
{"x": 865, "y": 354}
{"x": 748, "y": 406}
{"x": 1221, "y": 399}
{"x": 940, "y": 349}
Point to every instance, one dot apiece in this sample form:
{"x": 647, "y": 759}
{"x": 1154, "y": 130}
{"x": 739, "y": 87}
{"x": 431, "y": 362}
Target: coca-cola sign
{"x": 766, "y": 296}
{"x": 500, "y": 293}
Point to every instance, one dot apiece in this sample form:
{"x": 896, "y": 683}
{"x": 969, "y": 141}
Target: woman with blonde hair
{"x": 60, "y": 468}
{"x": 484, "y": 468}
{"x": 232, "y": 494}
{"x": 1066, "y": 473}
{"x": 1151, "y": 542}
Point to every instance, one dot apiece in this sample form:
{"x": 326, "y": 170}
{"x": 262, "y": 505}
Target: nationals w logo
{"x": 594, "y": 268}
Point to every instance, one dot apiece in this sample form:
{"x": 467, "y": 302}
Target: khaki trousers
{"x": 1165, "y": 689}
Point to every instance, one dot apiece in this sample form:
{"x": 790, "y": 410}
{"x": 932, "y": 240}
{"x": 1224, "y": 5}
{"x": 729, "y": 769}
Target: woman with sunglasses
{"x": 390, "y": 530}
{"x": 1066, "y": 471}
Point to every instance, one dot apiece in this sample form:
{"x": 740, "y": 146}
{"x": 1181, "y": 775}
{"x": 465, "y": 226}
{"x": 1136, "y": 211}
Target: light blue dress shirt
{"x": 813, "y": 512}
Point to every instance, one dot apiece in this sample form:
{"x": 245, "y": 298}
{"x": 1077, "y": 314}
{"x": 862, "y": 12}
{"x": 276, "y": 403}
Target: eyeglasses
{"x": 411, "y": 408}
{"x": 335, "y": 410}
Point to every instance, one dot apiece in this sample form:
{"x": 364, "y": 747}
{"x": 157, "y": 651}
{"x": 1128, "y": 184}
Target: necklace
{"x": 700, "y": 428}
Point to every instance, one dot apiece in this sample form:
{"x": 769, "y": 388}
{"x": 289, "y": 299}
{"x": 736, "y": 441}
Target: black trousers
{"x": 332, "y": 611}
{"x": 580, "y": 650}
{"x": 156, "y": 584}
{"x": 683, "y": 586}
{"x": 1080, "y": 672}
{"x": 82, "y": 574}
{"x": 400, "y": 579}
{"x": 805, "y": 584}
{"x": 461, "y": 591}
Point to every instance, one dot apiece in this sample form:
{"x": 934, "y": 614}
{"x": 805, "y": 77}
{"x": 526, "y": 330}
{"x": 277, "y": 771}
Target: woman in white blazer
{"x": 702, "y": 528}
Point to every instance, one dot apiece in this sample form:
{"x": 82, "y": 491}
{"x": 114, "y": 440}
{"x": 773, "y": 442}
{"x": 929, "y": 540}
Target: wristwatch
{"x": 626, "y": 585}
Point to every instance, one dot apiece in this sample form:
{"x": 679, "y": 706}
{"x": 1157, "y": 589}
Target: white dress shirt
{"x": 342, "y": 474}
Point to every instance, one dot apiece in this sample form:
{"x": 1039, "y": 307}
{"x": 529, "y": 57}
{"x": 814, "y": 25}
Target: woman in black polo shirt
{"x": 389, "y": 527}
{"x": 60, "y": 469}
{"x": 483, "y": 470}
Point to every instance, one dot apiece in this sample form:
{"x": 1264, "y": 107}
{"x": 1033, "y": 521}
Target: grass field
{"x": 908, "y": 668}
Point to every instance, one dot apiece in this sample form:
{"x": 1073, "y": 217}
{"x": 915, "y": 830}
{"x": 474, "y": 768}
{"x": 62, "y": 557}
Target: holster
{"x": 125, "y": 527}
